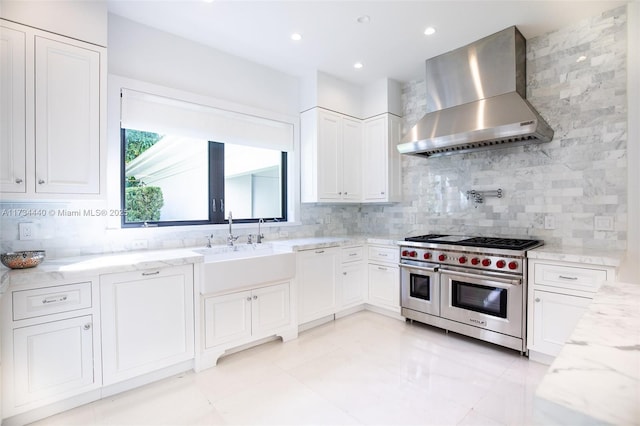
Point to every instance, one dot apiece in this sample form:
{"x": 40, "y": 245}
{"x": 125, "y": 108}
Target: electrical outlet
{"x": 26, "y": 230}
{"x": 603, "y": 223}
{"x": 139, "y": 244}
{"x": 549, "y": 222}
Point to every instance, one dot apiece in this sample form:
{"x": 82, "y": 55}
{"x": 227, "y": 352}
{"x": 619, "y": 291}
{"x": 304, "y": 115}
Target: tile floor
{"x": 362, "y": 369}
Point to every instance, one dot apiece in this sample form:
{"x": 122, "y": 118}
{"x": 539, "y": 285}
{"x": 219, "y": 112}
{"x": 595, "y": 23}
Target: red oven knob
{"x": 475, "y": 261}
{"x": 405, "y": 252}
{"x": 501, "y": 264}
{"x": 427, "y": 256}
{"x": 442, "y": 257}
{"x": 513, "y": 265}
{"x": 486, "y": 262}
{"x": 462, "y": 259}
{"x": 413, "y": 254}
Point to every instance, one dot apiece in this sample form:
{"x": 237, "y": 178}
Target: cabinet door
{"x": 316, "y": 274}
{"x": 12, "y": 110}
{"x": 67, "y": 114}
{"x": 351, "y": 159}
{"x": 329, "y": 156}
{"x": 53, "y": 359}
{"x": 270, "y": 308}
{"x": 384, "y": 286}
{"x": 375, "y": 159}
{"x": 554, "y": 318}
{"x": 147, "y": 321}
{"x": 352, "y": 285}
{"x": 227, "y": 318}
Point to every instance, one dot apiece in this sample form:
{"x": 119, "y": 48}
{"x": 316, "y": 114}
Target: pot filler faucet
{"x": 231, "y": 239}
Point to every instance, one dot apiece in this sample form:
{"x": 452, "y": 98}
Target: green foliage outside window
{"x": 143, "y": 203}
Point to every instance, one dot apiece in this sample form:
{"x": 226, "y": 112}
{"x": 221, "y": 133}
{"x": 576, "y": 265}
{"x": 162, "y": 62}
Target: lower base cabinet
{"x": 384, "y": 286}
{"x": 147, "y": 321}
{"x": 554, "y": 318}
{"x": 244, "y": 315}
{"x": 53, "y": 359}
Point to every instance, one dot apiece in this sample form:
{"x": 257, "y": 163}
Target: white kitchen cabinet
{"x": 554, "y": 318}
{"x": 13, "y": 95}
{"x": 331, "y": 155}
{"x": 240, "y": 316}
{"x": 382, "y": 176}
{"x": 147, "y": 321}
{"x": 53, "y": 359}
{"x": 558, "y": 296}
{"x": 384, "y": 278}
{"x": 50, "y": 345}
{"x": 61, "y": 119}
{"x": 317, "y": 271}
{"x": 352, "y": 285}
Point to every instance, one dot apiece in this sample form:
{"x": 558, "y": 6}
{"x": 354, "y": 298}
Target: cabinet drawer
{"x": 352, "y": 254}
{"x": 383, "y": 254}
{"x": 569, "y": 277}
{"x": 51, "y": 300}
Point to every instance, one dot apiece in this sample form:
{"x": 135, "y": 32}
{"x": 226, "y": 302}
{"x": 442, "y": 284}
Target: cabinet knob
{"x": 19, "y": 180}
{"x": 40, "y": 181}
{"x": 87, "y": 326}
{"x": 255, "y": 297}
{"x": 537, "y": 299}
{"x": 382, "y": 193}
{"x": 344, "y": 273}
{"x": 249, "y": 299}
{"x": 339, "y": 193}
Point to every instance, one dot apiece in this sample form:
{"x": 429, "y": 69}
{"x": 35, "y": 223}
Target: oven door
{"x": 420, "y": 288}
{"x": 487, "y": 301}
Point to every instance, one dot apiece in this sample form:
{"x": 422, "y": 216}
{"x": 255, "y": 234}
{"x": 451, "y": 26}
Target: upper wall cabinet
{"x": 382, "y": 177}
{"x": 345, "y": 159}
{"x": 52, "y": 115}
{"x": 331, "y": 152}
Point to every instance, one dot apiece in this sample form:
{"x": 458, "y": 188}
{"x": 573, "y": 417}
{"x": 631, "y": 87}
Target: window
{"x": 176, "y": 180}
{"x": 188, "y": 163}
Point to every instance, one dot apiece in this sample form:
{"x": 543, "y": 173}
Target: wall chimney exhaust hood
{"x": 476, "y": 100}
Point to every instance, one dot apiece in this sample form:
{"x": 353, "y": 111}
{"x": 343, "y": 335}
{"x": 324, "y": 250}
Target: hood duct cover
{"x": 476, "y": 100}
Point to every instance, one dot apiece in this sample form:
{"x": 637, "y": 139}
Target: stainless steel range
{"x": 475, "y": 286}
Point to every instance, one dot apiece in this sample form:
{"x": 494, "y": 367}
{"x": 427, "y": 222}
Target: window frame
{"x": 215, "y": 190}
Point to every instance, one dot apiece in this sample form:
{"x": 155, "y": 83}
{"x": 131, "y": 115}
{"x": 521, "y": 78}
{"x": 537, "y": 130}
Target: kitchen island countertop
{"x": 596, "y": 377}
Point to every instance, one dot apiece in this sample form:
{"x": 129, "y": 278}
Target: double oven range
{"x": 476, "y": 286}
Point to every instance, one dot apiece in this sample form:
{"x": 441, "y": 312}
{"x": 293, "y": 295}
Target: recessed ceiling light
{"x": 364, "y": 19}
{"x": 296, "y": 37}
{"x": 358, "y": 65}
{"x": 581, "y": 58}
{"x": 429, "y": 31}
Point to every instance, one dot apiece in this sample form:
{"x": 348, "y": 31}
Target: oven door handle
{"x": 420, "y": 268}
{"x": 512, "y": 281}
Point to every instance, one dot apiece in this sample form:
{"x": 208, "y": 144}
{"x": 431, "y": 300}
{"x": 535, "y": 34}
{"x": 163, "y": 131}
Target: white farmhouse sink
{"x": 245, "y": 268}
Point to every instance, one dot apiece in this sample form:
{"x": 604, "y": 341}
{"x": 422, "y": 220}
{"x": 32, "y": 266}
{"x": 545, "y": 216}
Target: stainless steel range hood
{"x": 476, "y": 100}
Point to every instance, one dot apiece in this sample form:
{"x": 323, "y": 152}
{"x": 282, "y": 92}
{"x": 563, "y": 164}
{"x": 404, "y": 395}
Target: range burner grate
{"x": 482, "y": 242}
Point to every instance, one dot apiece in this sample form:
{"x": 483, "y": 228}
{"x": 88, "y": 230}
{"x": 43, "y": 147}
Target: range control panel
{"x": 489, "y": 262}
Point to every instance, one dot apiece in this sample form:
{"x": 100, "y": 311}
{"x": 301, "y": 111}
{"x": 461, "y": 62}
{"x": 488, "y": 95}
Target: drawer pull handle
{"x": 537, "y": 299}
{"x": 57, "y": 299}
{"x": 381, "y": 268}
{"x": 18, "y": 180}
{"x": 319, "y": 251}
{"x": 353, "y": 254}
{"x": 146, "y": 274}
{"x": 87, "y": 326}
{"x": 382, "y": 254}
{"x": 567, "y": 278}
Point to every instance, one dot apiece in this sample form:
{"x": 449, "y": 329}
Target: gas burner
{"x": 424, "y": 238}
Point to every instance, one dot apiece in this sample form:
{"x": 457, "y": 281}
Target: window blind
{"x": 159, "y": 114}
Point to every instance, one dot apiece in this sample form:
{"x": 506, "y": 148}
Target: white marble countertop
{"x": 73, "y": 267}
{"x": 578, "y": 254}
{"x": 596, "y": 377}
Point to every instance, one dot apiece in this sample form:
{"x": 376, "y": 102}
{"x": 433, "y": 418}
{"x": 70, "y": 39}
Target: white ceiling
{"x": 391, "y": 45}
